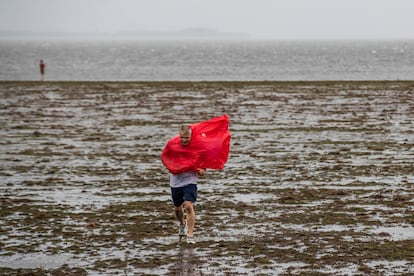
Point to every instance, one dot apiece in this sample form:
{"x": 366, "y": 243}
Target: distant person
{"x": 42, "y": 66}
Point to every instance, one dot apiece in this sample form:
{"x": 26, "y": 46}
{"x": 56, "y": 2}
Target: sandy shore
{"x": 319, "y": 180}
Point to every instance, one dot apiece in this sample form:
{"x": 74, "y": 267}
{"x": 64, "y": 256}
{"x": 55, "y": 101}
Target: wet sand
{"x": 320, "y": 179}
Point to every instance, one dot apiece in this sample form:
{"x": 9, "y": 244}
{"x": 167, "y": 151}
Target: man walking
{"x": 187, "y": 156}
{"x": 184, "y": 191}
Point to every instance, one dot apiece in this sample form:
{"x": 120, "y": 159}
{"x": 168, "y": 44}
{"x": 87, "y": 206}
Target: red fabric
{"x": 209, "y": 147}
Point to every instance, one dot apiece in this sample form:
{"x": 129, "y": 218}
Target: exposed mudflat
{"x": 320, "y": 179}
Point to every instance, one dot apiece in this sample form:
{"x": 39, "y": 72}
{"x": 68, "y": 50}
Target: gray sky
{"x": 277, "y": 19}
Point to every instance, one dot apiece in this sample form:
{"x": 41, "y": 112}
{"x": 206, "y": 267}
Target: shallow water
{"x": 237, "y": 60}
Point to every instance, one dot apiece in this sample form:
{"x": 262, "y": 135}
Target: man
{"x": 186, "y": 156}
{"x": 184, "y": 191}
{"x": 42, "y": 66}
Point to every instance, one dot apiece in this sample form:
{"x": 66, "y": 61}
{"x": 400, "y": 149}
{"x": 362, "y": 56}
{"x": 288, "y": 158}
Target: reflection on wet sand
{"x": 187, "y": 261}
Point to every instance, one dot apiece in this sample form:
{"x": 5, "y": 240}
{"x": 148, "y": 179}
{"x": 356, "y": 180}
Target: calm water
{"x": 208, "y": 60}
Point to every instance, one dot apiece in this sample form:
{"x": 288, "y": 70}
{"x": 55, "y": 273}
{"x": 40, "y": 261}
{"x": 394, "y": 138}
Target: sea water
{"x": 210, "y": 60}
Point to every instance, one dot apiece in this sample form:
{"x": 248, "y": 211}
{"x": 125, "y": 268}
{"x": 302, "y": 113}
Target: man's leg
{"x": 188, "y": 205}
{"x": 179, "y": 212}
{"x": 177, "y": 197}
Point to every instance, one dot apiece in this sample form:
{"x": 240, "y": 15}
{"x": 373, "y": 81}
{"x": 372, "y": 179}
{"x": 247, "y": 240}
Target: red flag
{"x": 209, "y": 147}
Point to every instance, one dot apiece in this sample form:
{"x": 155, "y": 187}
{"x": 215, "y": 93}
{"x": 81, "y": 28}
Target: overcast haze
{"x": 275, "y": 19}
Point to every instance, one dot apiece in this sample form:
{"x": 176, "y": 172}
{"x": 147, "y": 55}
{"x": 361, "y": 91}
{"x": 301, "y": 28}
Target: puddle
{"x": 39, "y": 260}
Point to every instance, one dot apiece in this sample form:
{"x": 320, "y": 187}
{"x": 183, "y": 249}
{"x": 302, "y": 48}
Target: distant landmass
{"x": 190, "y": 33}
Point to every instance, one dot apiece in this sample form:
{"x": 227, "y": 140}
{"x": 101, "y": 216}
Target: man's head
{"x": 185, "y": 135}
